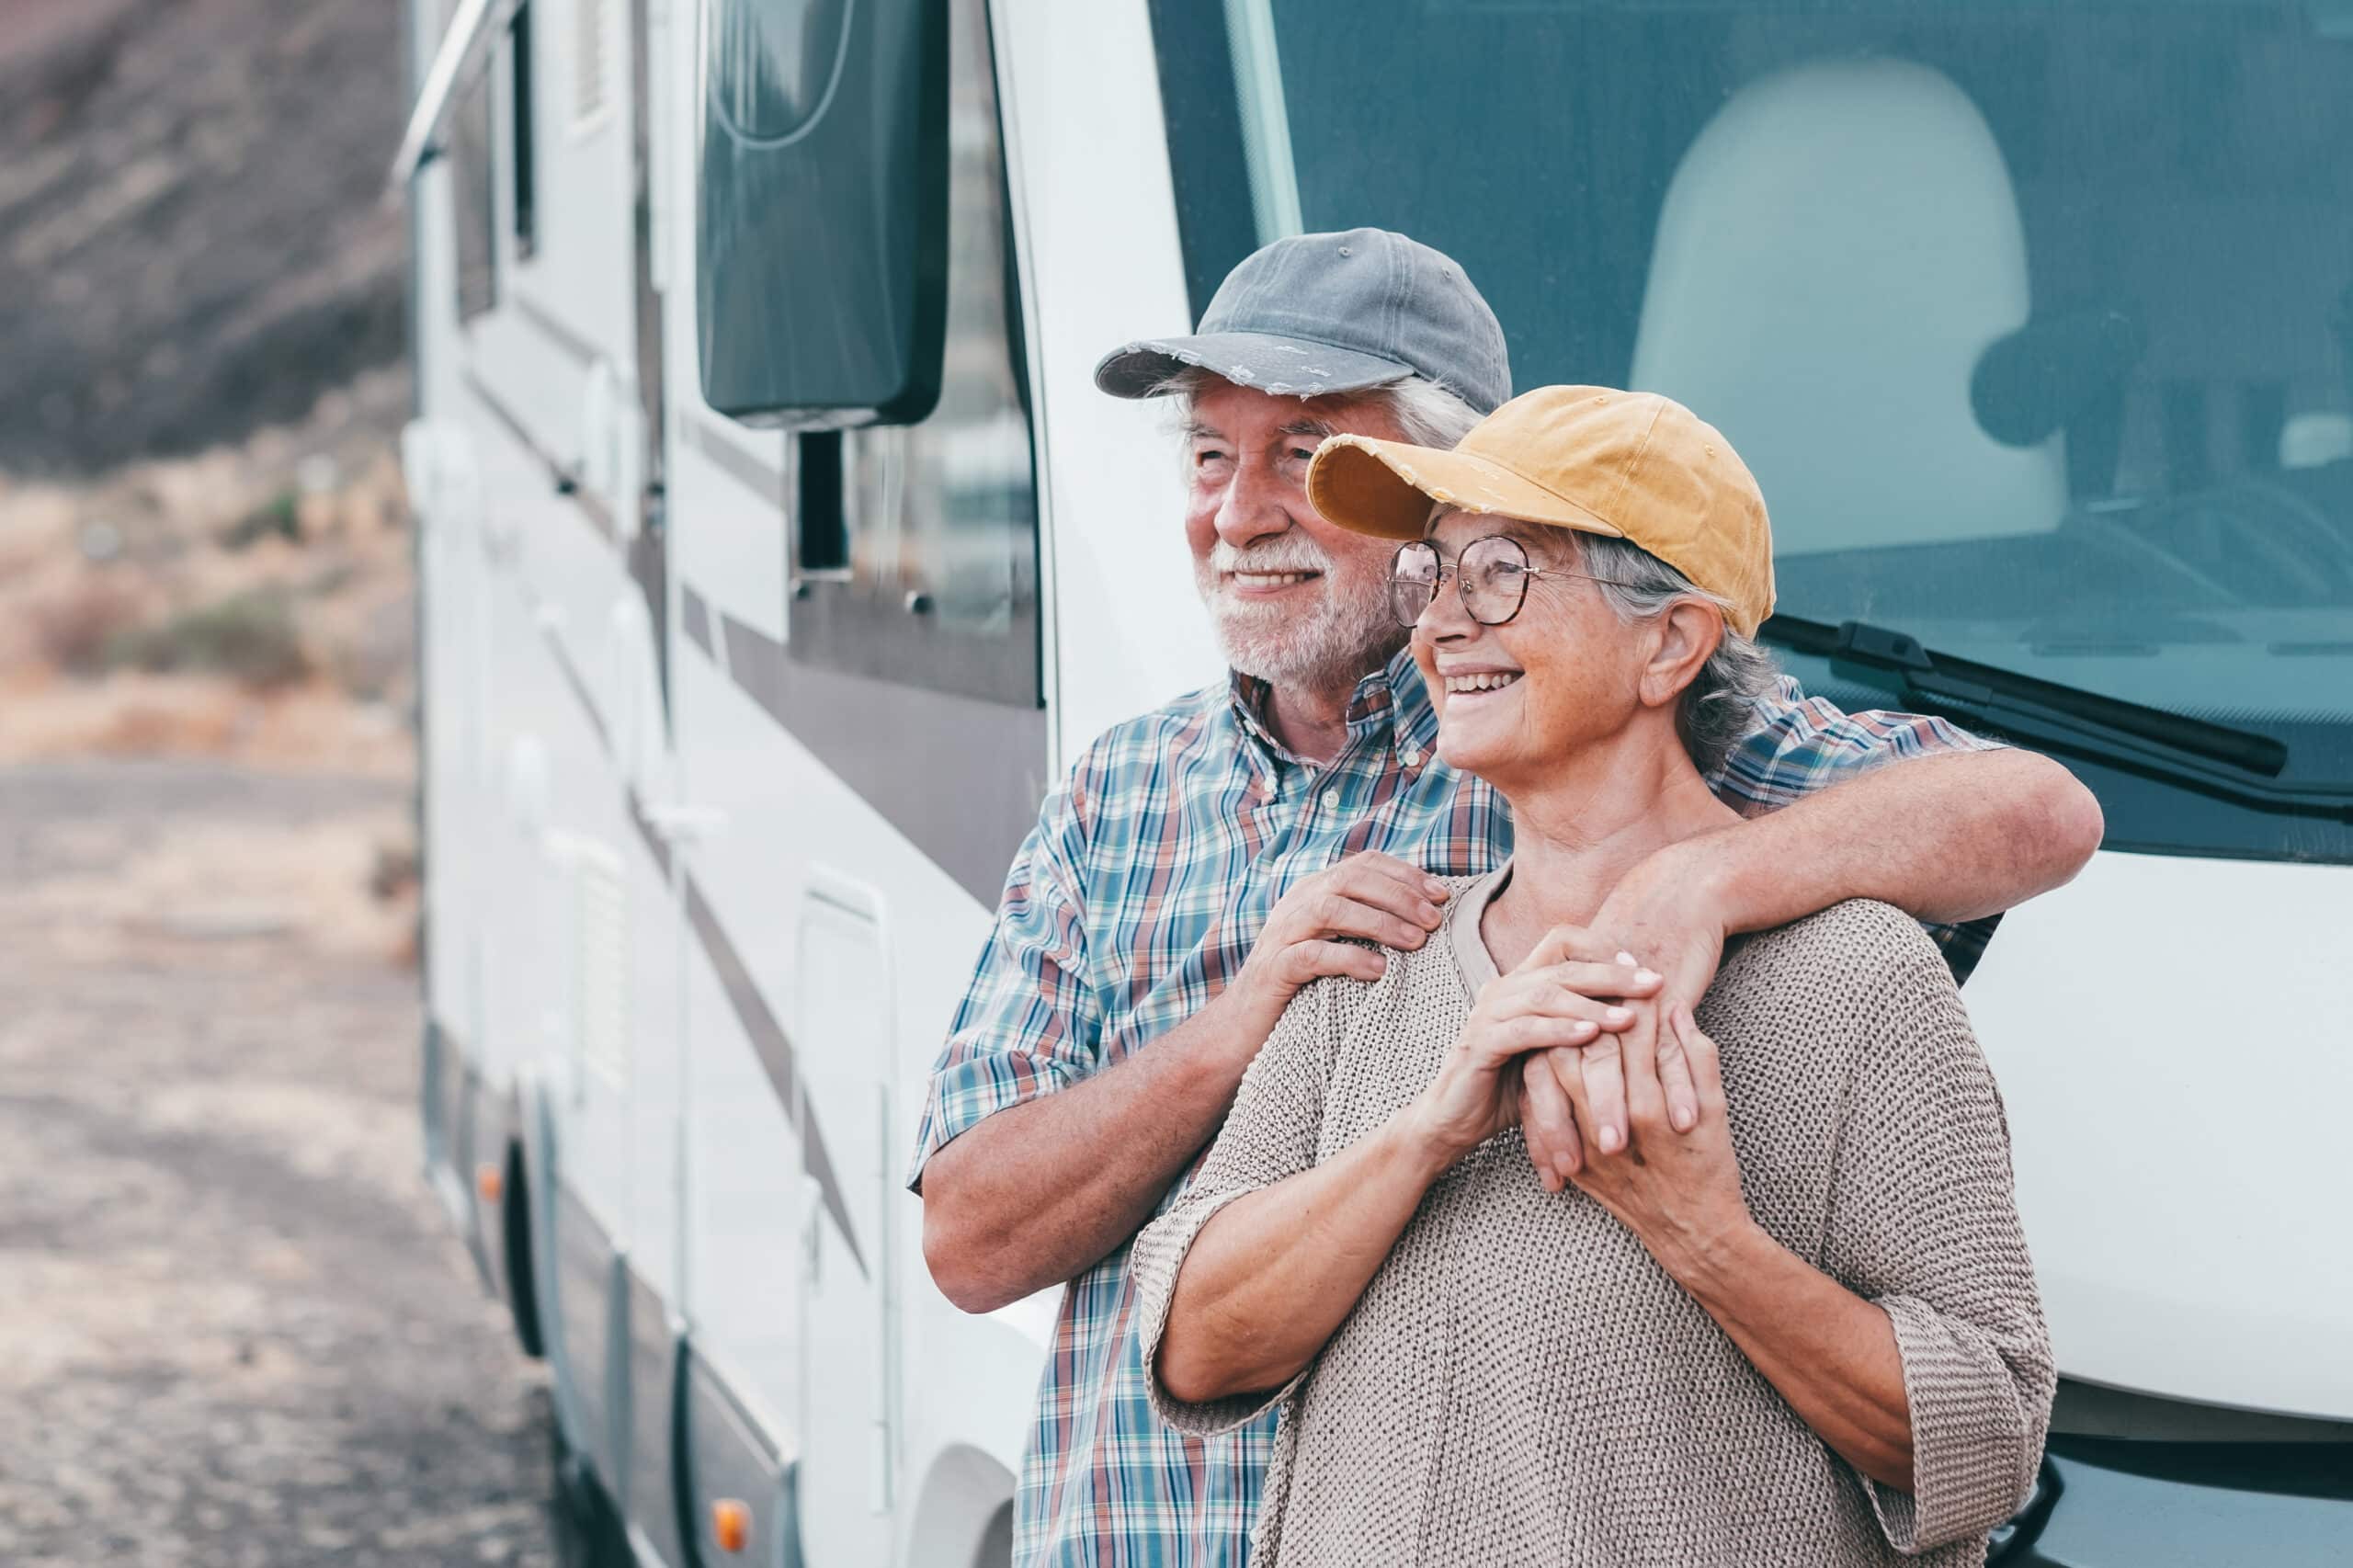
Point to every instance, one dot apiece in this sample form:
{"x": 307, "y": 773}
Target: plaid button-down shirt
{"x": 1134, "y": 901}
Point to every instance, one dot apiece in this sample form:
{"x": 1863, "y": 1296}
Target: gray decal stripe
{"x": 576, "y": 348}
{"x": 579, "y": 686}
{"x": 769, "y": 1040}
{"x": 739, "y": 465}
{"x": 960, "y": 778}
{"x": 775, "y": 1055}
{"x": 592, "y": 510}
{"x": 696, "y": 612}
{"x": 655, "y": 844}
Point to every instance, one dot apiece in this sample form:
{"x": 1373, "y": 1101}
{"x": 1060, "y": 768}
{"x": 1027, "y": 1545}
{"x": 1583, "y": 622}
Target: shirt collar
{"x": 1391, "y": 703}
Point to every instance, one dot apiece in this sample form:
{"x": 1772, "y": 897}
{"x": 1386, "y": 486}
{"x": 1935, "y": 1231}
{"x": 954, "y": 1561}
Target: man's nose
{"x": 1255, "y": 506}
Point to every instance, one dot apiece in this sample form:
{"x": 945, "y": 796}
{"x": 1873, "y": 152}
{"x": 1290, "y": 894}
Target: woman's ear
{"x": 1686, "y": 635}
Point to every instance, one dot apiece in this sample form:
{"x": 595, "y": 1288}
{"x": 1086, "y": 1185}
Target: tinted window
{"x": 2031, "y": 319}
{"x": 474, "y": 198}
{"x": 526, "y": 217}
{"x": 822, "y": 208}
{"x": 914, "y": 548}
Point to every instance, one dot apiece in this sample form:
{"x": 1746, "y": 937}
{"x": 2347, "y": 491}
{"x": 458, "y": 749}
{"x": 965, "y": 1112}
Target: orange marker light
{"x": 489, "y": 1182}
{"x": 731, "y": 1524}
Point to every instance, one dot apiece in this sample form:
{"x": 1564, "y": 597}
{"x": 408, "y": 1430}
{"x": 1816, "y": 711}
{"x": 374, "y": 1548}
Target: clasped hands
{"x": 1594, "y": 1055}
{"x": 1569, "y": 1043}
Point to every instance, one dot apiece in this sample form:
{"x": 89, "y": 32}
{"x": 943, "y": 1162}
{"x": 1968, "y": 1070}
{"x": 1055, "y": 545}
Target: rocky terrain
{"x": 193, "y": 237}
{"x": 239, "y": 1332}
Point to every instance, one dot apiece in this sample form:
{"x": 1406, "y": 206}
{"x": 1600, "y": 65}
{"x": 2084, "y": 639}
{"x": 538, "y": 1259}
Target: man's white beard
{"x": 1347, "y": 633}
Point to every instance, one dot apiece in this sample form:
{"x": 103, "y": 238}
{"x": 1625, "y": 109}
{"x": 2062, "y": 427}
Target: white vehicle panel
{"x": 2168, "y": 1033}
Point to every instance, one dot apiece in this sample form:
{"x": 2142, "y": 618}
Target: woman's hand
{"x": 1543, "y": 1003}
{"x": 1679, "y": 1192}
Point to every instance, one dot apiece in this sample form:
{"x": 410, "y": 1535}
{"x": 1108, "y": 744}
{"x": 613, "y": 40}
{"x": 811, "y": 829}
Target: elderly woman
{"x": 1800, "y": 1329}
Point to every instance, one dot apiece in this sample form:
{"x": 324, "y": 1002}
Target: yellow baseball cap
{"x": 1634, "y": 466}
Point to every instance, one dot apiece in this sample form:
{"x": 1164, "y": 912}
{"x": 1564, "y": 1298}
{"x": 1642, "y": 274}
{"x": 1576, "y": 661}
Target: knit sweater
{"x": 1522, "y": 1383}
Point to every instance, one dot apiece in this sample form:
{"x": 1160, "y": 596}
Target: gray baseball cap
{"x": 1321, "y": 314}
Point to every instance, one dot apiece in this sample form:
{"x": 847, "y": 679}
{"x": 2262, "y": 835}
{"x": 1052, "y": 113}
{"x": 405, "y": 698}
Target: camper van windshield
{"x": 2035, "y": 321}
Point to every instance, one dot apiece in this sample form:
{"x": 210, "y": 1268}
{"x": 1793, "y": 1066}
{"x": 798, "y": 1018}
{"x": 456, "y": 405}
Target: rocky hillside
{"x": 193, "y": 240}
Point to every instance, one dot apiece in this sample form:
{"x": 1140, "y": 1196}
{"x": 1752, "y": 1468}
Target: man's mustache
{"x": 1285, "y": 555}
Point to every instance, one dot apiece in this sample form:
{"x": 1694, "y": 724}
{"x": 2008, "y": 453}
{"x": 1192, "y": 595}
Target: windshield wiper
{"x": 2155, "y": 743}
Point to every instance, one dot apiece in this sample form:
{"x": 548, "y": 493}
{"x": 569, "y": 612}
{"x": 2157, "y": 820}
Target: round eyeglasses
{"x": 1491, "y": 574}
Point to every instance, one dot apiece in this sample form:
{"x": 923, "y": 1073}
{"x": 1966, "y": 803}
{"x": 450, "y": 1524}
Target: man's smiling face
{"x": 1296, "y": 601}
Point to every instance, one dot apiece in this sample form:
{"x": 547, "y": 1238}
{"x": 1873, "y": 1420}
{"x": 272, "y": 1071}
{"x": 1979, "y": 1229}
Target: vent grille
{"x": 589, "y": 59}
{"x": 600, "y": 963}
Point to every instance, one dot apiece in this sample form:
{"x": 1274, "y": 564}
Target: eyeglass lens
{"x": 1492, "y": 573}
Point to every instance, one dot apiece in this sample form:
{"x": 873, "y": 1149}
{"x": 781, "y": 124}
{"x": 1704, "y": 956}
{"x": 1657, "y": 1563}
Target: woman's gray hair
{"x": 1427, "y": 413}
{"x": 1720, "y": 705}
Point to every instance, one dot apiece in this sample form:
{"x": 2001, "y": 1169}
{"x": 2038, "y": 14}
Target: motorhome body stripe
{"x": 776, "y": 1053}
{"x": 888, "y": 742}
{"x": 696, "y": 614}
{"x": 882, "y": 738}
{"x": 576, "y": 348}
{"x": 759, "y": 478}
{"x": 593, "y": 511}
{"x": 752, "y": 1014}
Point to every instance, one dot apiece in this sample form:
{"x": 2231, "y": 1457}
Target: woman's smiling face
{"x": 1516, "y": 699}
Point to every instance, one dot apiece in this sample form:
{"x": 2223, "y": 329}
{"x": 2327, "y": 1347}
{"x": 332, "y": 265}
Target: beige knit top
{"x": 1521, "y": 1383}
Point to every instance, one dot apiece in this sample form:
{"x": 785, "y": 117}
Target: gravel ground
{"x": 237, "y": 1329}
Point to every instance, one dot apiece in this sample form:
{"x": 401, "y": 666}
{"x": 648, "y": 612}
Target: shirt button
{"x": 1411, "y": 756}
{"x": 1331, "y": 799}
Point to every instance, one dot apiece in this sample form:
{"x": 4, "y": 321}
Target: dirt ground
{"x": 234, "y": 1328}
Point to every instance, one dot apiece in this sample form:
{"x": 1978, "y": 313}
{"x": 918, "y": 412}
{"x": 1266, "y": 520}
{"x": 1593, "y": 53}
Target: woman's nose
{"x": 1444, "y": 618}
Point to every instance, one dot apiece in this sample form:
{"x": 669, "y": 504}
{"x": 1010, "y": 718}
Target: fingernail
{"x": 1435, "y": 888}
{"x": 1681, "y": 1118}
{"x": 1626, "y": 959}
{"x": 1617, "y": 1015}
{"x": 1647, "y": 977}
{"x": 1610, "y": 1138}
{"x": 1581, "y": 1027}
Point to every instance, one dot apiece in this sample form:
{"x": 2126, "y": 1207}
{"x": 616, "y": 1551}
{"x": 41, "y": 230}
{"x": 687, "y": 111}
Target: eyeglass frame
{"x": 1438, "y": 584}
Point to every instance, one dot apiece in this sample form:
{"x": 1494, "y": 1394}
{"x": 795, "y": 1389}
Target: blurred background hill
{"x": 203, "y": 547}
{"x": 196, "y": 240}
{"x": 244, "y": 1335}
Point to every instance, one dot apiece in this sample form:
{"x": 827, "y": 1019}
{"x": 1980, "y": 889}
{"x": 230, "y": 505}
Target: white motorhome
{"x": 777, "y": 551}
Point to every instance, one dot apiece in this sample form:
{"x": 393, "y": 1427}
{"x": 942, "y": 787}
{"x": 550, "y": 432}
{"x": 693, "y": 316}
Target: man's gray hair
{"x": 1720, "y": 705}
{"x": 1427, "y": 413}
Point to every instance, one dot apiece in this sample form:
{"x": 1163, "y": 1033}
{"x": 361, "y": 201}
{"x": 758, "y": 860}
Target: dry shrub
{"x": 76, "y": 628}
{"x": 251, "y": 636}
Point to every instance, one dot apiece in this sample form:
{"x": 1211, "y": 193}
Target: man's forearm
{"x": 1945, "y": 839}
{"x": 1035, "y": 1194}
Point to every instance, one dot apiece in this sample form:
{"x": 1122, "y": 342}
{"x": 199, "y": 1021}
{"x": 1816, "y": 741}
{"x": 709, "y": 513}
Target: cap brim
{"x": 1386, "y": 489}
{"x": 1291, "y": 366}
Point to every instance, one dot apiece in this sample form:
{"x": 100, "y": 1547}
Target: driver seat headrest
{"x": 1836, "y": 250}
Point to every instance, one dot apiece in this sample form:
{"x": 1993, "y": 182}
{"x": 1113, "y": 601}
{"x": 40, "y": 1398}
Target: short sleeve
{"x": 1796, "y": 745}
{"x": 1272, "y": 1132}
{"x": 1030, "y": 1022}
{"x": 1924, "y": 1222}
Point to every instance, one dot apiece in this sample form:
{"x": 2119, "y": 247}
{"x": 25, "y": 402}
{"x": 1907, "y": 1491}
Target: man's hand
{"x": 1370, "y": 897}
{"x": 1666, "y": 917}
{"x": 1546, "y": 1002}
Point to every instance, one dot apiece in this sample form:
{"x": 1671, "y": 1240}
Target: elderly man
{"x": 1206, "y": 860}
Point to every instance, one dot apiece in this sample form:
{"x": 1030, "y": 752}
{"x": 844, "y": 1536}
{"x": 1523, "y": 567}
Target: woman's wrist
{"x": 1713, "y": 1261}
{"x": 1415, "y": 1141}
